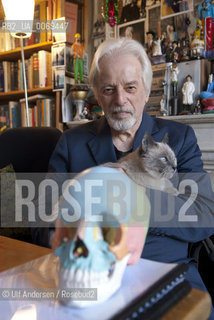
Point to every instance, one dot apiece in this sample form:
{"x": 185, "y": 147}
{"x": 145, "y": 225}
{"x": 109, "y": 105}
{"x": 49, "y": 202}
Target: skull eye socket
{"x": 80, "y": 249}
{"x": 111, "y": 235}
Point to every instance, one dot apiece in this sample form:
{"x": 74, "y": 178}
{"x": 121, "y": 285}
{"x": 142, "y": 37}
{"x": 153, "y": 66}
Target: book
{"x": 42, "y": 56}
{"x": 1, "y": 77}
{"x": 43, "y": 18}
{"x": 35, "y": 70}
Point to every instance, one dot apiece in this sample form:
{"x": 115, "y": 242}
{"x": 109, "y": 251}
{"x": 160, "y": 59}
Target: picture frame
{"x": 170, "y": 8}
{"x": 134, "y": 29}
{"x": 58, "y": 78}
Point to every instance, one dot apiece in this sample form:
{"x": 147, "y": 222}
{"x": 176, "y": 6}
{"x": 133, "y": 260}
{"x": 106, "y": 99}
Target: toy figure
{"x": 187, "y": 91}
{"x": 209, "y": 93}
{"x": 174, "y": 52}
{"x": 150, "y": 35}
{"x": 174, "y": 78}
{"x": 197, "y": 109}
{"x": 157, "y": 48}
{"x": 174, "y": 73}
{"x": 185, "y": 50}
{"x": 206, "y": 14}
{"x": 129, "y": 32}
{"x": 163, "y": 105}
{"x": 163, "y": 42}
{"x": 205, "y": 10}
{"x": 77, "y": 52}
{"x": 171, "y": 34}
{"x": 198, "y": 29}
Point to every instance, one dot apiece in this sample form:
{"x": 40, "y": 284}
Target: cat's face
{"x": 158, "y": 158}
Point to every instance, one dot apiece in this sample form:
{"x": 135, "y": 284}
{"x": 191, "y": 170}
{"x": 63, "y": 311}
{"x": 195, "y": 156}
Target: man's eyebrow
{"x": 132, "y": 82}
{"x": 104, "y": 85}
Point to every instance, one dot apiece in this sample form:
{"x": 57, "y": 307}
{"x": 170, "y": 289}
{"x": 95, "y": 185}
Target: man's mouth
{"x": 121, "y": 114}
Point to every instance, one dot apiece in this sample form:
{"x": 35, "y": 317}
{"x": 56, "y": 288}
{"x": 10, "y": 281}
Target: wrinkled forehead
{"x": 116, "y": 69}
{"x": 116, "y": 57}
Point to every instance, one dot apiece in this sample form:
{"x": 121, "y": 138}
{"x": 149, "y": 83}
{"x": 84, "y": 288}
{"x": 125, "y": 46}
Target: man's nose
{"x": 121, "y": 96}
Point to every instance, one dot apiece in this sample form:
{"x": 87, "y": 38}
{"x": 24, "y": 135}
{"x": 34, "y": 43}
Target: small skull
{"x": 95, "y": 254}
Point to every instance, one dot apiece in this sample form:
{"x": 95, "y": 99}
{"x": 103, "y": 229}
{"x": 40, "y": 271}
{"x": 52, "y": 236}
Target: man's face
{"x": 120, "y": 91}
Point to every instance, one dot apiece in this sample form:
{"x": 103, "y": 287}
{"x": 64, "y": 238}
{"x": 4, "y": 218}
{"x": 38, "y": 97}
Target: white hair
{"x": 122, "y": 46}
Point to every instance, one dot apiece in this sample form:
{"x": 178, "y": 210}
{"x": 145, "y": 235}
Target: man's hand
{"x": 135, "y": 242}
{"x": 61, "y": 233}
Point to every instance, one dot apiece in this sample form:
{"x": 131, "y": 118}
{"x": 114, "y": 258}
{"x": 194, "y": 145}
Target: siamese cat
{"x": 151, "y": 165}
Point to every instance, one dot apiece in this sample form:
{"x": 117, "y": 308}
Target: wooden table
{"x": 195, "y": 306}
{"x": 15, "y": 252}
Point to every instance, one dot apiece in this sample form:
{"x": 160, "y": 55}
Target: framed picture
{"x": 133, "y": 30}
{"x": 58, "y": 78}
{"x": 61, "y": 56}
{"x": 175, "y": 7}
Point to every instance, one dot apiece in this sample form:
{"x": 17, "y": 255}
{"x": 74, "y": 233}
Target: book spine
{"x": 43, "y": 17}
{"x": 36, "y": 19}
{"x": 1, "y": 77}
{"x": 35, "y": 70}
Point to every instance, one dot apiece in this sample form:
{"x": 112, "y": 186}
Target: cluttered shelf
{"x": 17, "y": 94}
{"x": 15, "y": 54}
{"x": 193, "y": 118}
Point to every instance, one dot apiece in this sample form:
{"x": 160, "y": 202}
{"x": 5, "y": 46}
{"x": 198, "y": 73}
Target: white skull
{"x": 95, "y": 256}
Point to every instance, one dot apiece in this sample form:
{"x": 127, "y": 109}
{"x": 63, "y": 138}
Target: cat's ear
{"x": 147, "y": 141}
{"x": 165, "y": 138}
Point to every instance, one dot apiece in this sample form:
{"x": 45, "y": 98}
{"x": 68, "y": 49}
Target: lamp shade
{"x": 20, "y": 13}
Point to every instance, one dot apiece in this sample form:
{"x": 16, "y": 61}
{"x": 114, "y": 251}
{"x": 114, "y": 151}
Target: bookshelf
{"x": 15, "y": 54}
{"x": 18, "y": 94}
{"x": 11, "y": 54}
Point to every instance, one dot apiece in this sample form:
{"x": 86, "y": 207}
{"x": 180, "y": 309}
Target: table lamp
{"x": 20, "y": 13}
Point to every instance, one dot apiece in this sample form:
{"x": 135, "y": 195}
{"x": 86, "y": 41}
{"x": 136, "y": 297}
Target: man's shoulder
{"x": 89, "y": 128}
{"x": 171, "y": 125}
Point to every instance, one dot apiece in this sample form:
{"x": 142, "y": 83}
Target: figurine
{"x": 129, "y": 32}
{"x": 209, "y": 93}
{"x": 150, "y": 35}
{"x": 171, "y": 34}
{"x": 185, "y": 50}
{"x": 187, "y": 91}
{"x": 163, "y": 105}
{"x": 174, "y": 52}
{"x": 198, "y": 29}
{"x": 163, "y": 42}
{"x": 174, "y": 78}
{"x": 157, "y": 48}
{"x": 77, "y": 51}
{"x": 174, "y": 73}
{"x": 197, "y": 109}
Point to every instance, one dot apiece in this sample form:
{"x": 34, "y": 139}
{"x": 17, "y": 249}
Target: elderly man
{"x": 121, "y": 77}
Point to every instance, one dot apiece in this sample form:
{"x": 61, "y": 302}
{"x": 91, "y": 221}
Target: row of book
{"x": 42, "y": 112}
{"x": 38, "y": 72}
{"x": 41, "y": 14}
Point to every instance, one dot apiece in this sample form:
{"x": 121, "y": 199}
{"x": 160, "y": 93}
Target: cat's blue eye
{"x": 163, "y": 159}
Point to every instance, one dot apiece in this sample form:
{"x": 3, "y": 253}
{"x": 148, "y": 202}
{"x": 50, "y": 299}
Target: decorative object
{"x": 79, "y": 93}
{"x": 134, "y": 28}
{"x": 112, "y": 11}
{"x": 95, "y": 254}
{"x": 20, "y": 15}
{"x": 77, "y": 50}
{"x": 187, "y": 90}
{"x": 171, "y": 8}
